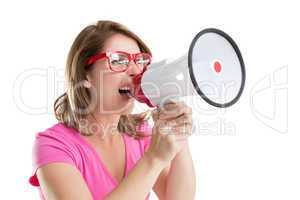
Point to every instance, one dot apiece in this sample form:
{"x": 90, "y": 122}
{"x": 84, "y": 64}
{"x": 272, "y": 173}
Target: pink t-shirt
{"x": 60, "y": 143}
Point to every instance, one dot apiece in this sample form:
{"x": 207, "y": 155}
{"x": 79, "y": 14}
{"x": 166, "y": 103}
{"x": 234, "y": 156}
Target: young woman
{"x": 98, "y": 150}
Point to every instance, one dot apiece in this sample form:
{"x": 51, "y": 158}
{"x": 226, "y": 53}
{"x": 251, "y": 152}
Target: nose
{"x": 133, "y": 69}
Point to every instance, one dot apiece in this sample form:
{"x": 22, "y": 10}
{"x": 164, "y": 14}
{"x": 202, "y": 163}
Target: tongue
{"x": 125, "y": 92}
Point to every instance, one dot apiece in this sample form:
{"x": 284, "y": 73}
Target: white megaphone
{"x": 213, "y": 68}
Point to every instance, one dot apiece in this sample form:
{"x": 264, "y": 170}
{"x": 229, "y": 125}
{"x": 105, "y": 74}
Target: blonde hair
{"x": 90, "y": 41}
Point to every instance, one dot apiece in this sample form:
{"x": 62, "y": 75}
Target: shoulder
{"x": 57, "y": 133}
{"x": 58, "y": 129}
{"x": 57, "y": 142}
{"x": 52, "y": 145}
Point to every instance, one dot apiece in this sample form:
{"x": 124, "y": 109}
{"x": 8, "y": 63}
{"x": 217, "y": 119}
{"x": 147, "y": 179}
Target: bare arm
{"x": 171, "y": 182}
{"x": 181, "y": 182}
{"x": 177, "y": 181}
{"x": 140, "y": 180}
{"x": 62, "y": 181}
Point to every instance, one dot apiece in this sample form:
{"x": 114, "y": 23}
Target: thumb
{"x": 155, "y": 114}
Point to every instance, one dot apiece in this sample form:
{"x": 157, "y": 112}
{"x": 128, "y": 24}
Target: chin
{"x": 128, "y": 108}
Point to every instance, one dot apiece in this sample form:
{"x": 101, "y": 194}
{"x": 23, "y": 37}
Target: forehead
{"x": 119, "y": 42}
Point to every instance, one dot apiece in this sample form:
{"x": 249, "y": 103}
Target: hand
{"x": 172, "y": 127}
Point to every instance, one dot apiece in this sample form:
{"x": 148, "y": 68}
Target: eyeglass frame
{"x": 131, "y": 57}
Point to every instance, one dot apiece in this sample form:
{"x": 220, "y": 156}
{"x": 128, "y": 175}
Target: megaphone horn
{"x": 213, "y": 68}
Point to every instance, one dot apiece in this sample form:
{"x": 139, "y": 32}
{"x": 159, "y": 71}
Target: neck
{"x": 101, "y": 126}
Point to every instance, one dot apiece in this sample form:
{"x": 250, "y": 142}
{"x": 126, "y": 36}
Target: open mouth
{"x": 126, "y": 91}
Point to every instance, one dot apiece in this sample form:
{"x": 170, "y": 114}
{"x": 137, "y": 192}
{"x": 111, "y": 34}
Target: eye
{"x": 119, "y": 62}
{"x": 143, "y": 59}
{"x": 119, "y": 59}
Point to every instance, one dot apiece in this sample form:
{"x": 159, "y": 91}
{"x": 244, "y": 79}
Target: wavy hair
{"x": 90, "y": 41}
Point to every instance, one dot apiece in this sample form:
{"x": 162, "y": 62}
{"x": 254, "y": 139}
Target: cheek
{"x": 107, "y": 85}
{"x": 104, "y": 80}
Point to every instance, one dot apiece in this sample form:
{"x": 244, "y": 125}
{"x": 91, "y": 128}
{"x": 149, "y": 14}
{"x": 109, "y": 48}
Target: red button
{"x": 217, "y": 67}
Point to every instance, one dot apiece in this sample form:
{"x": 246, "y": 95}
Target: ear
{"x": 87, "y": 82}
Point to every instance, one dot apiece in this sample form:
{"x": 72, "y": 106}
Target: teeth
{"x": 125, "y": 91}
{"x": 125, "y": 88}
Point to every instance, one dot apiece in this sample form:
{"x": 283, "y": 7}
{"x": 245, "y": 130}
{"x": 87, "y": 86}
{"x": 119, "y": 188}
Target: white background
{"x": 258, "y": 160}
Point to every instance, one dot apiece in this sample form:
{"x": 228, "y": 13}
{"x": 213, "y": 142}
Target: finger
{"x": 181, "y": 137}
{"x": 171, "y": 106}
{"x": 183, "y": 129}
{"x": 184, "y": 118}
{"x": 163, "y": 128}
{"x": 155, "y": 114}
{"x": 173, "y": 111}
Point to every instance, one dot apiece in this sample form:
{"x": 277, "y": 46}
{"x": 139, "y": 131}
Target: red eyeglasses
{"x": 119, "y": 61}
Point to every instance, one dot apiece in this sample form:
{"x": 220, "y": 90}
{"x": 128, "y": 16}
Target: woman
{"x": 98, "y": 150}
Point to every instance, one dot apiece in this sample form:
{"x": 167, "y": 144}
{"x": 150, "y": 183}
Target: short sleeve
{"x": 50, "y": 147}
